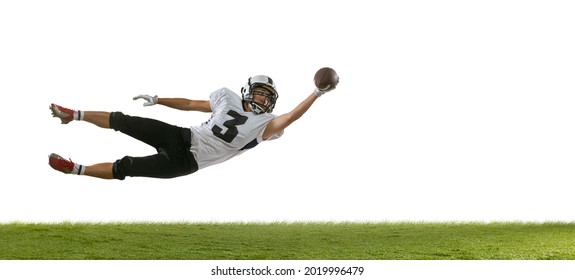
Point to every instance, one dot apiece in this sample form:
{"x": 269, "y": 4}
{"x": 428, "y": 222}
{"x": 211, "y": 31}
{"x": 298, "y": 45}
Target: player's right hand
{"x": 150, "y": 100}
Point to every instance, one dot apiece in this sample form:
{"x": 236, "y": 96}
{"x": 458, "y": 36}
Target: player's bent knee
{"x": 121, "y": 167}
{"x": 117, "y": 119}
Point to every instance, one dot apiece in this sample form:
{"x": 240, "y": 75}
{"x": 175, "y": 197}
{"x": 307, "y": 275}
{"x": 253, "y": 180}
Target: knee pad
{"x": 117, "y": 120}
{"x": 121, "y": 167}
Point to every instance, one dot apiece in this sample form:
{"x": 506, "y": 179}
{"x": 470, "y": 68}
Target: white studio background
{"x": 446, "y": 110}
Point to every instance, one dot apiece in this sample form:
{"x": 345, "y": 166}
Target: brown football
{"x": 325, "y": 78}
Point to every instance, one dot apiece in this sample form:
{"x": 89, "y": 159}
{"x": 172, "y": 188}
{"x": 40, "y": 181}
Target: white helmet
{"x": 248, "y": 94}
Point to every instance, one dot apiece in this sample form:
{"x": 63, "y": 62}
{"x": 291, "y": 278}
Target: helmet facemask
{"x": 260, "y": 86}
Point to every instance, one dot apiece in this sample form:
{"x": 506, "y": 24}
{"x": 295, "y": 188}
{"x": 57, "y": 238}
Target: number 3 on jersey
{"x": 232, "y": 130}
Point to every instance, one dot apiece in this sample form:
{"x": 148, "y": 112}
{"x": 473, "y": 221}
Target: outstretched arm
{"x": 186, "y": 104}
{"x": 278, "y": 124}
{"x": 177, "y": 103}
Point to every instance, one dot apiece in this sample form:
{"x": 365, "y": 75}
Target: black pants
{"x": 172, "y": 143}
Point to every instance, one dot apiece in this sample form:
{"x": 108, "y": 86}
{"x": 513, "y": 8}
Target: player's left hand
{"x": 151, "y": 100}
{"x": 320, "y": 91}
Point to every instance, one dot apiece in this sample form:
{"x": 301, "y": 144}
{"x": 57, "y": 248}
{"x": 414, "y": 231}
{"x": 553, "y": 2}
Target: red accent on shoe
{"x": 66, "y": 115}
{"x": 59, "y": 163}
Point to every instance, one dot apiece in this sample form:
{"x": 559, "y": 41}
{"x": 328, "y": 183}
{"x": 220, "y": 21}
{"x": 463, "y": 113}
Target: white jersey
{"x": 229, "y": 132}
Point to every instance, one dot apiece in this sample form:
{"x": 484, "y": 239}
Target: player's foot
{"x": 66, "y": 115}
{"x": 59, "y": 163}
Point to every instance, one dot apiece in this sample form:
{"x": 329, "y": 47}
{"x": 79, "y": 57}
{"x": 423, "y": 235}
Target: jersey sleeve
{"x": 216, "y": 98}
{"x": 275, "y": 136}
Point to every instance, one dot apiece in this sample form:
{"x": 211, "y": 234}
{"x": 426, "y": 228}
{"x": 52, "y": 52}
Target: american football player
{"x": 236, "y": 125}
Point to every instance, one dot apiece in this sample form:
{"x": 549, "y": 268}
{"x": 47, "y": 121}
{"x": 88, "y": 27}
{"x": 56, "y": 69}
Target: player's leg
{"x": 66, "y": 115}
{"x": 67, "y": 166}
{"x": 150, "y": 131}
{"x": 100, "y": 170}
{"x": 162, "y": 165}
{"x": 173, "y": 159}
{"x": 101, "y": 119}
{"x": 156, "y": 166}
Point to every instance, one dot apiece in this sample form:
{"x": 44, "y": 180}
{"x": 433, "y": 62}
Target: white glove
{"x": 151, "y": 100}
{"x": 320, "y": 91}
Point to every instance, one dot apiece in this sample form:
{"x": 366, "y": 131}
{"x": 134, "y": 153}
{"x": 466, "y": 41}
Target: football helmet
{"x": 254, "y": 87}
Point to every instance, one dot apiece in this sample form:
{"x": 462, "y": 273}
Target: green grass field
{"x": 288, "y": 241}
